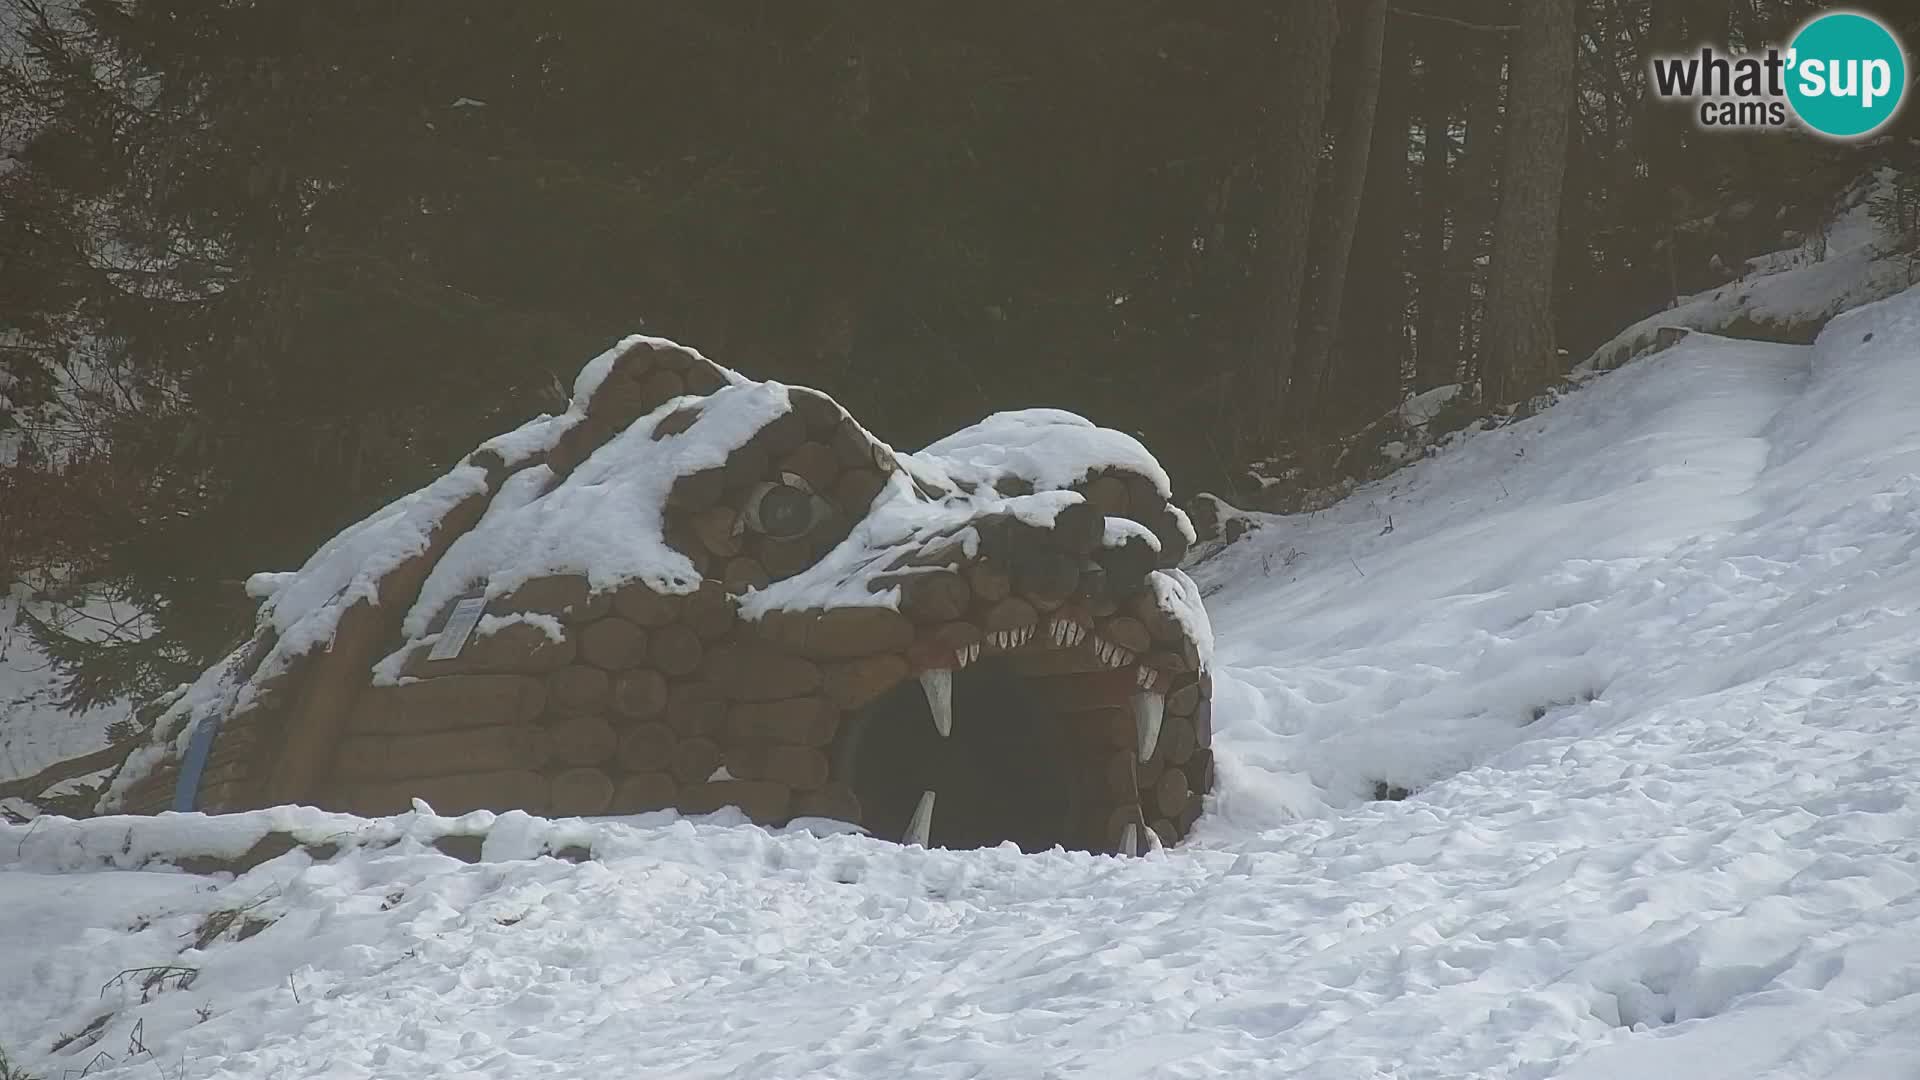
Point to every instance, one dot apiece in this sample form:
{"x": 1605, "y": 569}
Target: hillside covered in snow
{"x": 1643, "y": 665}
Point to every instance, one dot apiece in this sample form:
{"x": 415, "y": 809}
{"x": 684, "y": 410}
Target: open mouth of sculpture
{"x": 1044, "y": 736}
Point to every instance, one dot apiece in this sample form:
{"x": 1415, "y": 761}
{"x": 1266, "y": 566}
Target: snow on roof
{"x": 536, "y": 436}
{"x": 304, "y": 607}
{"x": 901, "y": 522}
{"x": 1048, "y": 448}
{"x": 596, "y": 370}
{"x": 604, "y": 521}
{"x": 1179, "y": 596}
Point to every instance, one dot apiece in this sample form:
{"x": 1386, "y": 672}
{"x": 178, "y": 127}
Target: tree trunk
{"x": 1436, "y": 357}
{"x": 1297, "y": 109}
{"x": 1520, "y": 357}
{"x": 1479, "y": 180}
{"x": 1349, "y": 185}
{"x": 1660, "y": 138}
{"x": 1373, "y": 339}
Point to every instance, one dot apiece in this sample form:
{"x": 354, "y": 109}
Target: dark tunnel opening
{"x": 1007, "y": 772}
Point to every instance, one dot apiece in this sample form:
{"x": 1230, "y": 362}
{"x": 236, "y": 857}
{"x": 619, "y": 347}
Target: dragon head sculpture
{"x": 692, "y": 590}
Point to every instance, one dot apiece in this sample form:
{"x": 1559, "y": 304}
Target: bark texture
{"x": 1343, "y": 217}
{"x": 1521, "y": 361}
{"x": 1297, "y": 111}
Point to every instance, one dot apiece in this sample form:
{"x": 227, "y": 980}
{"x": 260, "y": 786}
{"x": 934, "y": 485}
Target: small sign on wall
{"x": 466, "y": 616}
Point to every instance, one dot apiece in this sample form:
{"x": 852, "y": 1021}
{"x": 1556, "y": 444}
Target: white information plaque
{"x": 466, "y": 615}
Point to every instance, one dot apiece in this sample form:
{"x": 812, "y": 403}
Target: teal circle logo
{"x": 1846, "y": 74}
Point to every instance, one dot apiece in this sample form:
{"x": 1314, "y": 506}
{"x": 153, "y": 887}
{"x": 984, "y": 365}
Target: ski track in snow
{"x": 1649, "y": 661}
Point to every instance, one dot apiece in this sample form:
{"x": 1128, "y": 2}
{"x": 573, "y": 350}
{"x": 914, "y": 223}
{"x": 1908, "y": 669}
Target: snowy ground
{"x": 1649, "y": 661}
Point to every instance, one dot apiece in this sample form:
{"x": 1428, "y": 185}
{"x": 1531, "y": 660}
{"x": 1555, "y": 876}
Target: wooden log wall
{"x": 645, "y": 700}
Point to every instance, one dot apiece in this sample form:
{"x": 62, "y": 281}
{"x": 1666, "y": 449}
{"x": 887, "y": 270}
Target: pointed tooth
{"x": 1130, "y": 839}
{"x": 1076, "y": 633}
{"x": 920, "y": 826}
{"x": 960, "y": 657}
{"x": 973, "y": 652}
{"x": 1149, "y": 710}
{"x": 1143, "y": 678}
{"x": 938, "y": 686}
{"x": 1153, "y": 841}
{"x": 1058, "y": 632}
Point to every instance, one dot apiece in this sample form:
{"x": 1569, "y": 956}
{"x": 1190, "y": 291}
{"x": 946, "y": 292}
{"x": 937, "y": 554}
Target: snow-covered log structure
{"x": 692, "y": 590}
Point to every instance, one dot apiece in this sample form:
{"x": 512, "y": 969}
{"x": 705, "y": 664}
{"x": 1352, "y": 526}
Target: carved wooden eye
{"x": 785, "y": 510}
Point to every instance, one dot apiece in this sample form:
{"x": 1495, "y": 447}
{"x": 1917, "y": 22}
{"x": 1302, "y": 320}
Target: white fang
{"x": 938, "y": 686}
{"x": 920, "y": 826}
{"x": 1149, "y": 710}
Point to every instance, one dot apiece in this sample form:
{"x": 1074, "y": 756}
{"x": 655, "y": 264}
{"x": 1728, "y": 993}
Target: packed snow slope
{"x": 1649, "y": 663}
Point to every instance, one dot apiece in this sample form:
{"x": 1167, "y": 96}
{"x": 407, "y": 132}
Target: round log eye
{"x": 781, "y": 511}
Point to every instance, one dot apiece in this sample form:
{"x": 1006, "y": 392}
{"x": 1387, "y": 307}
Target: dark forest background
{"x": 265, "y": 265}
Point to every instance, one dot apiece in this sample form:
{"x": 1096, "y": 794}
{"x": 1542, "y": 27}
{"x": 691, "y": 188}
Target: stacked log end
{"x": 638, "y": 706}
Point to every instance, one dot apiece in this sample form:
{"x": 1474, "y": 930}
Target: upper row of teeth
{"x": 1008, "y": 640}
{"x": 1064, "y": 633}
{"x": 1148, "y": 704}
{"x": 1110, "y": 654}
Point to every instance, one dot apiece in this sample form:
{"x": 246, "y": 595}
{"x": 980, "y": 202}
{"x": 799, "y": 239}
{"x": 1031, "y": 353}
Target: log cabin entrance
{"x": 1010, "y": 770}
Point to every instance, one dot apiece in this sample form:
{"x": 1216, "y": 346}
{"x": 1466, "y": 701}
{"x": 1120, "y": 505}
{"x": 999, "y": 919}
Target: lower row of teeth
{"x": 920, "y": 830}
